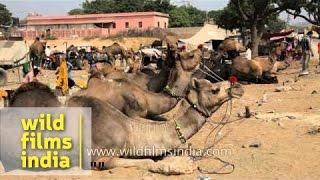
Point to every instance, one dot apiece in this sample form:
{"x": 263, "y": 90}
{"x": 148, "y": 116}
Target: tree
{"x": 197, "y": 17}
{"x": 254, "y": 15}
{"x": 163, "y": 6}
{"x": 179, "y": 17}
{"x": 309, "y": 10}
{"x": 226, "y": 18}
{"x": 275, "y": 24}
{"x": 76, "y": 11}
{"x": 5, "y": 16}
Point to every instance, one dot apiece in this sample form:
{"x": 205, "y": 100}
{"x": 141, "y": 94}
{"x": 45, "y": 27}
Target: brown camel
{"x": 37, "y": 52}
{"x": 231, "y": 45}
{"x": 138, "y": 133}
{"x": 128, "y": 97}
{"x": 27, "y": 95}
{"x": 177, "y": 78}
{"x": 113, "y": 50}
{"x": 111, "y": 129}
{"x": 253, "y": 70}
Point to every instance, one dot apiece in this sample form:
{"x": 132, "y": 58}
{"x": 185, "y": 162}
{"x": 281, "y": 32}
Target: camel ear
{"x": 195, "y": 84}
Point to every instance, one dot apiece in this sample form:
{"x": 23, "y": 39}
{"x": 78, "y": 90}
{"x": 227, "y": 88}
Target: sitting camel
{"x": 133, "y": 134}
{"x": 257, "y": 69}
{"x": 128, "y": 97}
{"x": 113, "y": 50}
{"x": 177, "y": 78}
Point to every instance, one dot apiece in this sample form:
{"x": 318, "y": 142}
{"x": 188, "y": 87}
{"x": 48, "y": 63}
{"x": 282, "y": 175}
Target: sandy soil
{"x": 280, "y": 130}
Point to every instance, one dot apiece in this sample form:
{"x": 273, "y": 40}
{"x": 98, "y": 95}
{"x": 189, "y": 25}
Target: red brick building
{"x": 92, "y": 25}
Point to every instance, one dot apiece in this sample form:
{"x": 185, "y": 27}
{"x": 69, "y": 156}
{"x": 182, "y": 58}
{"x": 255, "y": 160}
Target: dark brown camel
{"x": 113, "y": 50}
{"x": 37, "y": 52}
{"x": 33, "y": 94}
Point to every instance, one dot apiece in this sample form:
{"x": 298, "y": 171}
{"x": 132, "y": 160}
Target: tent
{"x": 11, "y": 52}
{"x": 208, "y": 33}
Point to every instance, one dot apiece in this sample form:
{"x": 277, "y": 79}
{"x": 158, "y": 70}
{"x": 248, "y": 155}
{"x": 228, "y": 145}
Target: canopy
{"x": 13, "y": 51}
{"x": 207, "y": 33}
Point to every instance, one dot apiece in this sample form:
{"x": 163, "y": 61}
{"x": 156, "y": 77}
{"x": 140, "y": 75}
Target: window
{"x": 127, "y": 24}
{"x": 140, "y": 24}
{"x": 114, "y": 25}
{"x": 158, "y": 24}
{"x": 165, "y": 25}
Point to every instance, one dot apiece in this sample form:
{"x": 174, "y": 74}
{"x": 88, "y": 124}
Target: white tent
{"x": 207, "y": 33}
{"x": 13, "y": 51}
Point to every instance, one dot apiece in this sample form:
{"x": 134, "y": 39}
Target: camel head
{"x": 190, "y": 61}
{"x": 208, "y": 97}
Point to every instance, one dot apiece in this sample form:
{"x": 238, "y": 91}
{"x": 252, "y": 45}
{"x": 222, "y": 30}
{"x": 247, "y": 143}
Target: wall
{"x": 38, "y": 25}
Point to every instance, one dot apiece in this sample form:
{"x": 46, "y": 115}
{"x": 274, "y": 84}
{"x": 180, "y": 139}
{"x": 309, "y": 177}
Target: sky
{"x": 20, "y": 8}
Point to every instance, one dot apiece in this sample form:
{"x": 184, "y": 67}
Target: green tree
{"x": 226, "y": 18}
{"x": 163, "y": 6}
{"x": 310, "y": 7}
{"x": 5, "y": 15}
{"x": 197, "y": 17}
{"x": 179, "y": 17}
{"x": 275, "y": 24}
{"x": 76, "y": 11}
{"x": 252, "y": 14}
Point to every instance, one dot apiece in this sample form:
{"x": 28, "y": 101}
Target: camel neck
{"x": 162, "y": 136}
{"x": 180, "y": 83}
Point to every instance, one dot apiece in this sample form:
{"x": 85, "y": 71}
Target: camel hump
{"x": 33, "y": 87}
{"x": 256, "y": 68}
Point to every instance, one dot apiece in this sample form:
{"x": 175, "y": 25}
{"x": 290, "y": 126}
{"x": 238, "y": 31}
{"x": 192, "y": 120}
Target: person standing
{"x": 306, "y": 53}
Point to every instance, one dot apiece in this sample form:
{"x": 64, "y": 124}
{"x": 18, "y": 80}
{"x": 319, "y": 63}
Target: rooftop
{"x": 98, "y": 16}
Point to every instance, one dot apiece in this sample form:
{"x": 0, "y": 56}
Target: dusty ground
{"x": 280, "y": 129}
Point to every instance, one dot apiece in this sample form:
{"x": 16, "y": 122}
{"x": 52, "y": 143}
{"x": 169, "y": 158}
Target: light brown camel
{"x": 128, "y": 97}
{"x": 253, "y": 70}
{"x": 177, "y": 78}
{"x": 112, "y": 130}
{"x": 138, "y": 133}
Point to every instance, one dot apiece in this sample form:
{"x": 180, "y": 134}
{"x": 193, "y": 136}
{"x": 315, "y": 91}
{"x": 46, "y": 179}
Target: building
{"x": 92, "y": 25}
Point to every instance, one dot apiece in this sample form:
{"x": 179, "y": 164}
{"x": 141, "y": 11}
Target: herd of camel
{"x": 173, "y": 103}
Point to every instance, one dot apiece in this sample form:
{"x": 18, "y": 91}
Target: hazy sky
{"x": 21, "y": 8}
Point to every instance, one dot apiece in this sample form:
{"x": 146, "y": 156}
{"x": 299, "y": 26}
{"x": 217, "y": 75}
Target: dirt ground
{"x": 273, "y": 144}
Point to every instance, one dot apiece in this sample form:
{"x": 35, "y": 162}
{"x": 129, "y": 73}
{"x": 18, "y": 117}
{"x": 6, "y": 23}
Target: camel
{"x": 37, "y": 52}
{"x": 134, "y": 101}
{"x": 115, "y": 49}
{"x": 177, "y": 78}
{"x": 111, "y": 129}
{"x": 256, "y": 69}
{"x": 138, "y": 133}
{"x": 27, "y": 95}
{"x": 128, "y": 97}
{"x": 231, "y": 47}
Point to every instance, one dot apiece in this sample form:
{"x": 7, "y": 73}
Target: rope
{"x": 210, "y": 71}
{"x": 204, "y": 72}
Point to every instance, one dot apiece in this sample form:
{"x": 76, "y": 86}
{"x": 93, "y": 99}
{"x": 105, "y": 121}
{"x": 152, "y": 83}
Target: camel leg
{"x": 172, "y": 165}
{"x": 113, "y": 162}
